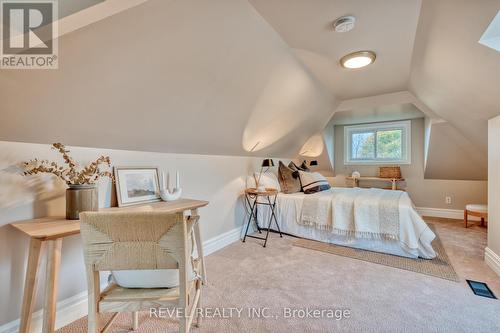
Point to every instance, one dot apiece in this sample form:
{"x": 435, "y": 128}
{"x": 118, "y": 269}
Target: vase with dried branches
{"x": 82, "y": 193}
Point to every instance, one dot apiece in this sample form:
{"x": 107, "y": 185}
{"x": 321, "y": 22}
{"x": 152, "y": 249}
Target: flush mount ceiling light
{"x": 357, "y": 59}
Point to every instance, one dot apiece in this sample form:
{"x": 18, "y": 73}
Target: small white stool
{"x": 476, "y": 210}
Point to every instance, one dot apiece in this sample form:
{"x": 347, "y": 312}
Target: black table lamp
{"x": 267, "y": 163}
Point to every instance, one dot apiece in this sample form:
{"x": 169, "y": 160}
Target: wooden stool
{"x": 476, "y": 210}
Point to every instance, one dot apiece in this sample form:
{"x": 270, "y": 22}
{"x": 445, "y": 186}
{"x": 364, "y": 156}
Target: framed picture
{"x": 136, "y": 185}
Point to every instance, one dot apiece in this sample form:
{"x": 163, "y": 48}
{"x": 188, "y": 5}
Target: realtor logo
{"x": 29, "y": 39}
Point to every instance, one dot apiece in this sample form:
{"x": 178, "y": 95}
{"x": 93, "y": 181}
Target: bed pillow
{"x": 289, "y": 183}
{"x": 268, "y": 180}
{"x": 304, "y": 167}
{"x": 313, "y": 182}
{"x": 149, "y": 278}
{"x": 292, "y": 166}
{"x": 250, "y": 183}
{"x": 295, "y": 173}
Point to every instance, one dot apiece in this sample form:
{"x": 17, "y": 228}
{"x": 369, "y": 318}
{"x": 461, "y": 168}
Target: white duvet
{"x": 354, "y": 209}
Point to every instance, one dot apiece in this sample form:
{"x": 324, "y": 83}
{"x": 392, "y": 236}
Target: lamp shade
{"x": 267, "y": 163}
{"x": 313, "y": 163}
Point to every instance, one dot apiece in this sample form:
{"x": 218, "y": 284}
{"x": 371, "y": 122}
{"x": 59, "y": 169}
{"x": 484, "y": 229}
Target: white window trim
{"x": 406, "y": 142}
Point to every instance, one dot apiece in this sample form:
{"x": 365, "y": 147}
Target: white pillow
{"x": 147, "y": 278}
{"x": 313, "y": 182}
{"x": 268, "y": 180}
{"x": 251, "y": 182}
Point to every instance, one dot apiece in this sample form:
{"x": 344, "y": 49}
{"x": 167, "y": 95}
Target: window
{"x": 379, "y": 143}
{"x": 491, "y": 37}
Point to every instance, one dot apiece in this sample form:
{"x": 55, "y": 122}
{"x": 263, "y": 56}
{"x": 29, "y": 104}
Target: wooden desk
{"x": 393, "y": 181}
{"x": 52, "y": 230}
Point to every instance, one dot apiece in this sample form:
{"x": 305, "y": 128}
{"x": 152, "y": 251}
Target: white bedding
{"x": 414, "y": 239}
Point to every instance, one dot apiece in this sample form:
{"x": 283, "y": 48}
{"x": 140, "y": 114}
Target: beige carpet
{"x": 439, "y": 266}
{"x": 379, "y": 298}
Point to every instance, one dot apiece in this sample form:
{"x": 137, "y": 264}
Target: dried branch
{"x": 72, "y": 174}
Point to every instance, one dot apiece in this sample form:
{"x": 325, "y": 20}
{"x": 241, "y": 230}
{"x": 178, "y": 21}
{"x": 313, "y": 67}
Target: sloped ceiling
{"x": 454, "y": 75}
{"x": 426, "y": 49}
{"x": 452, "y": 156}
{"x": 229, "y": 76}
{"x": 68, "y": 7}
{"x": 375, "y": 114}
{"x": 208, "y": 77}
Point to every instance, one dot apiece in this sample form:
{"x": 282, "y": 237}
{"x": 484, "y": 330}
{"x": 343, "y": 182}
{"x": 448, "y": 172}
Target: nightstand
{"x": 252, "y": 196}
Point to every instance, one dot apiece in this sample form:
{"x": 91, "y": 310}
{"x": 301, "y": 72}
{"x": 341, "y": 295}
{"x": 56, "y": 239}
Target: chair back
{"x": 136, "y": 240}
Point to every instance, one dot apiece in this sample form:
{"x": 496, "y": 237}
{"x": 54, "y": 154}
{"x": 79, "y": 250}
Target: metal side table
{"x": 269, "y": 195}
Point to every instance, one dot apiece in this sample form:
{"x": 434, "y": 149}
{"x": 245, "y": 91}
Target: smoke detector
{"x": 344, "y": 23}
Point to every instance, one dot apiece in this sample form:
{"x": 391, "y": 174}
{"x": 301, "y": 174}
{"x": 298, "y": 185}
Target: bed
{"x": 349, "y": 216}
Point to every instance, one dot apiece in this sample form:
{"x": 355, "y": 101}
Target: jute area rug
{"x": 439, "y": 267}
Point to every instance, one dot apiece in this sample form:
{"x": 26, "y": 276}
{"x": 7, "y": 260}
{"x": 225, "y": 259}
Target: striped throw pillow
{"x": 313, "y": 182}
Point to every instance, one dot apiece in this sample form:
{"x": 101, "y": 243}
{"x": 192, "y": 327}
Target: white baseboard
{"x": 68, "y": 310}
{"x": 456, "y": 214}
{"x": 218, "y": 242}
{"x": 75, "y": 307}
{"x": 492, "y": 259}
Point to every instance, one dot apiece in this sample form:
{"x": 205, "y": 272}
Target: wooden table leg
{"x": 199, "y": 246}
{"x": 93, "y": 292}
{"x": 51, "y": 281}
{"x": 30, "y": 284}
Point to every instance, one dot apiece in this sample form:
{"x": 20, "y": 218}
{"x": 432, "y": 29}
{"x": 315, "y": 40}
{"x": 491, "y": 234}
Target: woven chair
{"x": 135, "y": 241}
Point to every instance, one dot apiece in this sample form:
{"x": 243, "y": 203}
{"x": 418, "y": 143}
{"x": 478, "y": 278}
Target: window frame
{"x": 404, "y": 126}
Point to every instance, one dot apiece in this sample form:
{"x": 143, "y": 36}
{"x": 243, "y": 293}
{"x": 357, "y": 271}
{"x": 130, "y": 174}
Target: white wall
{"x": 218, "y": 179}
{"x": 448, "y": 149}
{"x": 429, "y": 193}
{"x": 492, "y": 254}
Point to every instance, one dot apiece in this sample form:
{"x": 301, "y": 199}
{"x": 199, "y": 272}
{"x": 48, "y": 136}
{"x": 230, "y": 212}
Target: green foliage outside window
{"x": 385, "y": 144}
